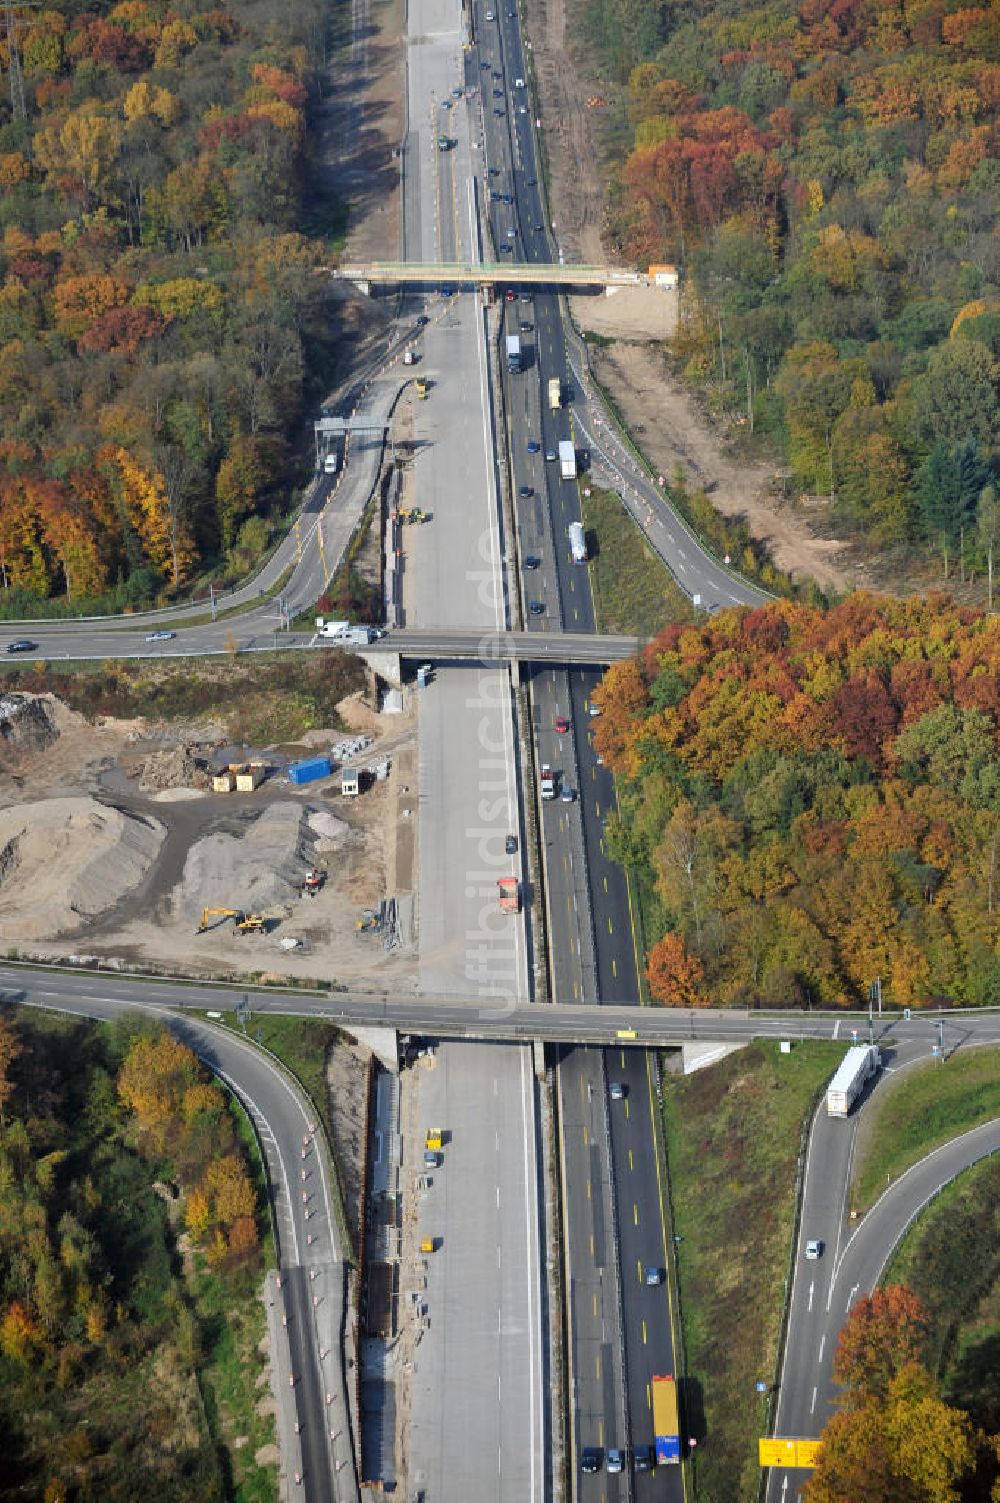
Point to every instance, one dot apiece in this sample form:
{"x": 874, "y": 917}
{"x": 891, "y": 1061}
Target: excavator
{"x": 313, "y": 881}
{"x": 243, "y": 923}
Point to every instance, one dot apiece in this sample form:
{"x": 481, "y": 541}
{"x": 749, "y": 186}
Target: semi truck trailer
{"x": 555, "y": 394}
{"x": 513, "y": 353}
{"x": 666, "y": 1430}
{"x": 567, "y": 460}
{"x": 856, "y": 1069}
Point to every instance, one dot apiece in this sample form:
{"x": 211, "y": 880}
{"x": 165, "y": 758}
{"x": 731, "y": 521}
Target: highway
{"x": 315, "y": 1435}
{"x": 477, "y": 1401}
{"x": 620, "y": 1330}
{"x": 855, "y": 1255}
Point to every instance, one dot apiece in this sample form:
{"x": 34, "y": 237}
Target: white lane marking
{"x": 812, "y": 1406}
{"x": 822, "y": 1347}
{"x": 812, "y": 1286}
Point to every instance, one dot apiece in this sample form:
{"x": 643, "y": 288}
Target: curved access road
{"x": 823, "y": 1292}
{"x": 307, "y": 1298}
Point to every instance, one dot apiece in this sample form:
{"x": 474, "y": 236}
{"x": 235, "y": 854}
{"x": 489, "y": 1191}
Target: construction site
{"x": 158, "y": 846}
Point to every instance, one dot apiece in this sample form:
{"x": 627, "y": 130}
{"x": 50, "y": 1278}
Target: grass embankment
{"x": 920, "y": 1109}
{"x": 303, "y": 1045}
{"x": 262, "y": 701}
{"x": 733, "y": 1134}
{"x": 633, "y": 589}
{"x": 951, "y": 1258}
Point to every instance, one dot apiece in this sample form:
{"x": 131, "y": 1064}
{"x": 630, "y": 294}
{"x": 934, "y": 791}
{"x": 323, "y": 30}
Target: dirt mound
{"x": 330, "y": 830}
{"x": 257, "y": 871}
{"x": 174, "y": 767}
{"x": 64, "y": 861}
{"x": 26, "y": 724}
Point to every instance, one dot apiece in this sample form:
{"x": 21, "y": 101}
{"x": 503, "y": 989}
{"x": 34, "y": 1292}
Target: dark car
{"x": 421, "y": 320}
{"x": 505, "y": 249}
{"x": 21, "y": 645}
{"x": 590, "y": 1460}
{"x": 526, "y": 328}
{"x": 493, "y": 171}
{"x": 531, "y": 182}
{"x": 160, "y": 636}
{"x": 534, "y": 447}
{"x": 510, "y": 844}
{"x": 525, "y": 491}
{"x": 536, "y": 608}
{"x": 642, "y": 1458}
{"x": 497, "y": 110}
{"x": 485, "y": 63}
{"x": 538, "y": 228}
{"x": 531, "y": 562}
{"x": 498, "y": 93}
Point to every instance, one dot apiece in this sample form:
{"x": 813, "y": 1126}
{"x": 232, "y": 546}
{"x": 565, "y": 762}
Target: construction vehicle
{"x": 411, "y": 514}
{"x": 510, "y": 895}
{"x": 428, "y": 1244}
{"x": 243, "y": 923}
{"x": 314, "y": 880}
{"x": 435, "y": 1137}
{"x": 367, "y": 922}
{"x": 421, "y": 387}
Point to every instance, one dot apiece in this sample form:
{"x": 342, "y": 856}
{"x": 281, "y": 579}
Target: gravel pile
{"x": 66, "y": 860}
{"x": 256, "y": 871}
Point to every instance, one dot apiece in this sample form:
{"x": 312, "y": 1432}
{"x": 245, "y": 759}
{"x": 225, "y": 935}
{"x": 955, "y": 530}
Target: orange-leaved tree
{"x": 674, "y": 974}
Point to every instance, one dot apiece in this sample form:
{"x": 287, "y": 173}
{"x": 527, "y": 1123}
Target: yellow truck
{"x": 435, "y": 1138}
{"x": 555, "y": 394}
{"x": 421, "y": 387}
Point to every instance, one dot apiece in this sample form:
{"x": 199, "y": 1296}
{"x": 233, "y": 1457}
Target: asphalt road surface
{"x": 854, "y": 1258}
{"x": 312, "y": 1290}
{"x": 477, "y": 1398}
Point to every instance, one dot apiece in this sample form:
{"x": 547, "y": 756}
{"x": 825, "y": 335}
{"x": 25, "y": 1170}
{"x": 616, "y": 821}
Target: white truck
{"x": 856, "y": 1068}
{"x": 577, "y": 543}
{"x": 514, "y": 353}
{"x": 567, "y": 460}
{"x": 351, "y": 636}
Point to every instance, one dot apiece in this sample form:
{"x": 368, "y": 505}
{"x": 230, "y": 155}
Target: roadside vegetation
{"x": 733, "y": 1134}
{"x": 163, "y": 313}
{"x": 133, "y": 1247}
{"x": 633, "y": 590}
{"x": 812, "y": 800}
{"x": 302, "y": 1044}
{"x": 827, "y": 179}
{"x": 261, "y": 700}
{"x": 895, "y": 1435}
{"x": 918, "y": 1110}
{"x": 951, "y": 1259}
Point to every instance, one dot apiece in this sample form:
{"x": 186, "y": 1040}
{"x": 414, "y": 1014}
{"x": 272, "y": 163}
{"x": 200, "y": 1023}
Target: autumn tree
{"x": 885, "y": 1331}
{"x": 674, "y": 975}
{"x": 904, "y": 1444}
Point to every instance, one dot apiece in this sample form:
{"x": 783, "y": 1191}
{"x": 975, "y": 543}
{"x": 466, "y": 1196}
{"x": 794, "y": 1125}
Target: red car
{"x": 509, "y": 295}
{"x": 562, "y": 724}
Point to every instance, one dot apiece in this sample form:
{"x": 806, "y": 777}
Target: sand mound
{"x": 65, "y": 860}
{"x": 255, "y": 871}
{"x": 26, "y": 724}
{"x": 329, "y": 829}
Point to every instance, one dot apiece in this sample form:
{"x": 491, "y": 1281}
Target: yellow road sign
{"x": 779, "y": 1450}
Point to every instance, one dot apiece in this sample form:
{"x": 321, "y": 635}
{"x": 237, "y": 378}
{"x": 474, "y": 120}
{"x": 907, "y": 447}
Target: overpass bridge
{"x": 564, "y": 649}
{"x": 487, "y": 275}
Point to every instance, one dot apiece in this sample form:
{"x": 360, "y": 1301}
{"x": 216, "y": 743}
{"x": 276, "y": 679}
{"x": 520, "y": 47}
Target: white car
{"x": 161, "y": 636}
{"x": 814, "y": 1249}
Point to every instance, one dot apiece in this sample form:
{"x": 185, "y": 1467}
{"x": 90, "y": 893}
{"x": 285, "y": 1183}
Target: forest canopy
{"x": 812, "y": 801}
{"x": 827, "y": 174}
{"x": 157, "y": 301}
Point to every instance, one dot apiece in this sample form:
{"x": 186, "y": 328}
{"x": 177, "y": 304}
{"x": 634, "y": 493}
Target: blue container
{"x": 309, "y": 770}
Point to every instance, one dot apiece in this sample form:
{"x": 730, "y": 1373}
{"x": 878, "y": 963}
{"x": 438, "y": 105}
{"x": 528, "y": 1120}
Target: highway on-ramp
{"x": 316, "y": 1444}
{"x": 854, "y": 1257}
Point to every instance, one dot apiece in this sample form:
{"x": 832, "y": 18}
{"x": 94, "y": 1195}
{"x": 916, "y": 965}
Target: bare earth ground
{"x": 166, "y": 855}
{"x": 670, "y": 428}
{"x": 655, "y": 405}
